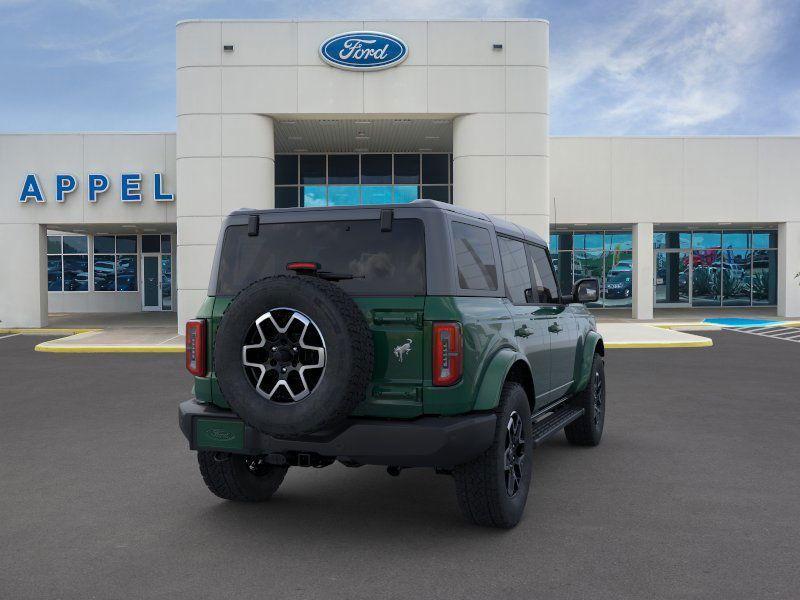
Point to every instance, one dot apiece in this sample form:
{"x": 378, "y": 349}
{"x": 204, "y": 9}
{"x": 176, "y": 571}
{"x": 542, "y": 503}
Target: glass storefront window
{"x": 736, "y": 277}
{"x": 314, "y": 195}
{"x": 151, "y": 243}
{"x": 76, "y": 273}
{"x": 376, "y": 168}
{"x": 376, "y": 194}
{"x": 765, "y": 277}
{"x": 405, "y": 193}
{"x": 672, "y": 278}
{"x": 618, "y": 281}
{"x": 54, "y": 244}
{"x": 104, "y": 272}
{"x": 406, "y": 168}
{"x": 672, "y": 239}
{"x": 312, "y": 168}
{"x": 765, "y": 239}
{"x": 126, "y": 244}
{"x": 54, "y": 273}
{"x": 166, "y": 244}
{"x": 320, "y": 174}
{"x": 126, "y": 274}
{"x": 706, "y": 277}
{"x": 618, "y": 241}
{"x": 588, "y": 241}
{"x": 706, "y": 239}
{"x": 75, "y": 244}
{"x": 588, "y": 264}
{"x": 67, "y": 263}
{"x": 343, "y": 168}
{"x": 343, "y": 195}
{"x": 104, "y": 244}
{"x": 736, "y": 239}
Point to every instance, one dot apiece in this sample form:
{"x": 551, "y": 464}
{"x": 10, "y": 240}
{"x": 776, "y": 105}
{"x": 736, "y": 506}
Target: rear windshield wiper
{"x": 315, "y": 270}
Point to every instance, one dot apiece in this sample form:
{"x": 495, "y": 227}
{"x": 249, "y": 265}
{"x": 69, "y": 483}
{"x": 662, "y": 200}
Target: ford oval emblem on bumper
{"x": 363, "y": 50}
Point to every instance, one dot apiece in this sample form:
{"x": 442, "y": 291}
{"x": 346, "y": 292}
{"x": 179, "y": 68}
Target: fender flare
{"x": 590, "y": 345}
{"x": 488, "y": 396}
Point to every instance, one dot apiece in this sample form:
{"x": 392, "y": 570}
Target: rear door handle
{"x": 554, "y": 328}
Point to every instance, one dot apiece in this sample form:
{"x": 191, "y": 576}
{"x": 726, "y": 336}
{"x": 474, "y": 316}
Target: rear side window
{"x": 388, "y": 263}
{"x": 515, "y": 271}
{"x": 474, "y": 257}
{"x": 543, "y": 274}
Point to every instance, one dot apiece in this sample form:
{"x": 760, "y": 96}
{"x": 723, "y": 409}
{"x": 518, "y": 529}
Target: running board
{"x": 554, "y": 422}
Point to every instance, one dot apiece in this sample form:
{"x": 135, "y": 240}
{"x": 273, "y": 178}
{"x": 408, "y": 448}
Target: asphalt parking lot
{"x": 694, "y": 493}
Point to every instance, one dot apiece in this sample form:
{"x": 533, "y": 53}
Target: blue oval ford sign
{"x": 363, "y": 50}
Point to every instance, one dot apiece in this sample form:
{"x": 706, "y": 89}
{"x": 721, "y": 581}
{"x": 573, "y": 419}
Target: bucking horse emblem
{"x": 402, "y": 349}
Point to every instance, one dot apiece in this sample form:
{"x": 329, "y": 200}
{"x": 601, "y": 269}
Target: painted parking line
{"x": 2, "y": 337}
{"x": 789, "y": 334}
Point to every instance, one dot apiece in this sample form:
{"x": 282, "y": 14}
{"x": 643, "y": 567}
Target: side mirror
{"x": 586, "y": 290}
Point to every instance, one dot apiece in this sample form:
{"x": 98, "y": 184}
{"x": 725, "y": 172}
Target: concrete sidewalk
{"x": 643, "y": 335}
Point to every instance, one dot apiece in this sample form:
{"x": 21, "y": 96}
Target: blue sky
{"x": 617, "y": 68}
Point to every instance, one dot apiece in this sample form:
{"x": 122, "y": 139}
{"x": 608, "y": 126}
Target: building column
{"x": 225, "y": 162}
{"x": 23, "y": 270}
{"x": 642, "y": 276}
{"x": 501, "y": 167}
{"x": 788, "y": 268}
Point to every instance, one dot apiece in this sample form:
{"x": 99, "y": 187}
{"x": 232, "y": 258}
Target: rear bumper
{"x": 425, "y": 442}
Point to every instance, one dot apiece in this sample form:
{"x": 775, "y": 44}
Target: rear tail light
{"x": 196, "y": 347}
{"x": 447, "y": 353}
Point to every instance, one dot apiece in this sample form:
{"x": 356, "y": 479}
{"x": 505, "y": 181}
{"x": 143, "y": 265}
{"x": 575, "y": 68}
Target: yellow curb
{"x": 98, "y": 349}
{"x": 704, "y": 343}
{"x": 46, "y": 331}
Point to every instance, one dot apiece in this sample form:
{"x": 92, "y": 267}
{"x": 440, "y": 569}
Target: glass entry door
{"x": 151, "y": 282}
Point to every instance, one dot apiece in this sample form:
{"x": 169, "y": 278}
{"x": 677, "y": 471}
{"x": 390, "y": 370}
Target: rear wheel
{"x": 587, "y": 430}
{"x": 493, "y": 488}
{"x": 240, "y": 477}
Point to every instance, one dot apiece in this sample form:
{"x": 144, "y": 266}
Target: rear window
{"x": 384, "y": 263}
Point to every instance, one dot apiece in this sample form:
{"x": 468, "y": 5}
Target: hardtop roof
{"x": 500, "y": 225}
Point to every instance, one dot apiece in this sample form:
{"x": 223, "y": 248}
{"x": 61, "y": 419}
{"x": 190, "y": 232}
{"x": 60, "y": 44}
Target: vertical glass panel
{"x": 659, "y": 239}
{"x": 515, "y": 271}
{"x": 706, "y": 277}
{"x": 618, "y": 241}
{"x": 312, "y": 168}
{"x": 376, "y": 168}
{"x": 103, "y": 272}
{"x": 562, "y": 261}
{"x": 166, "y": 282}
{"x": 376, "y": 194}
{"x": 765, "y": 277}
{"x": 285, "y": 197}
{"x": 126, "y": 244}
{"x": 618, "y": 288}
{"x": 166, "y": 244}
{"x": 406, "y": 168}
{"x": 474, "y": 257}
{"x": 126, "y": 273}
{"x": 285, "y": 169}
{"x": 151, "y": 243}
{"x": 76, "y": 273}
{"x": 54, "y": 278}
{"x": 343, "y": 195}
{"x": 588, "y": 264}
{"x": 343, "y": 168}
{"x": 672, "y": 277}
{"x": 435, "y": 192}
{"x": 434, "y": 168}
{"x": 736, "y": 239}
{"x": 76, "y": 244}
{"x": 313, "y": 195}
{"x": 588, "y": 241}
{"x": 405, "y": 193}
{"x": 736, "y": 277}
{"x": 150, "y": 280}
{"x": 765, "y": 239}
{"x": 706, "y": 239}
{"x": 54, "y": 244}
{"x": 553, "y": 242}
{"x": 104, "y": 244}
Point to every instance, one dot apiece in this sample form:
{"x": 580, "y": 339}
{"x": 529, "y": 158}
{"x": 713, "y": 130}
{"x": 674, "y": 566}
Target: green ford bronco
{"x": 414, "y": 335}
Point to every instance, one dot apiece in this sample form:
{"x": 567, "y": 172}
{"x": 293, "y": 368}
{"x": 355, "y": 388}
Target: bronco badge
{"x": 401, "y": 350}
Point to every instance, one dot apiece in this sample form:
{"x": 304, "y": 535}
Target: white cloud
{"x": 670, "y": 68}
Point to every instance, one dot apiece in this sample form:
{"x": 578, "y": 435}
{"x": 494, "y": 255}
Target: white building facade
{"x": 268, "y": 116}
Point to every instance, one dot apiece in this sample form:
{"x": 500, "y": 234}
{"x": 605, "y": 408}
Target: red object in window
{"x": 447, "y": 353}
{"x": 196, "y": 347}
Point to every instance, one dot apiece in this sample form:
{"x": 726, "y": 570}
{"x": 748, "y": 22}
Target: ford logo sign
{"x": 363, "y": 50}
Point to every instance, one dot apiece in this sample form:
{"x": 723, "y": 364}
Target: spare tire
{"x": 293, "y": 355}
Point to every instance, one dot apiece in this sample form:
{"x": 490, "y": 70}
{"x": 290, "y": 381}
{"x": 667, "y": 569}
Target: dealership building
{"x": 274, "y": 114}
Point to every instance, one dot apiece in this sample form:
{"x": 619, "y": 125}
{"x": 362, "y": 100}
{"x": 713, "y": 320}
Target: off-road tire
{"x": 229, "y": 476}
{"x": 588, "y": 429}
{"x": 349, "y": 355}
{"x": 481, "y": 483}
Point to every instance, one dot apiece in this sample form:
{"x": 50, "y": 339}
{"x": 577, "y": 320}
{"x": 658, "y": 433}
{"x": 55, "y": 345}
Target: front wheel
{"x": 493, "y": 488}
{"x": 588, "y": 429}
{"x": 240, "y": 477}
